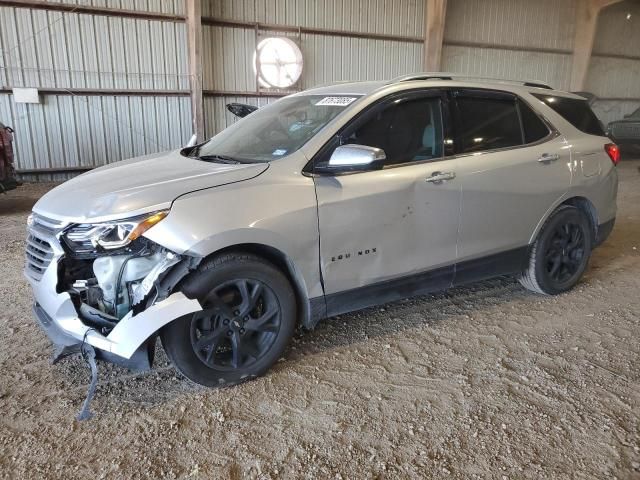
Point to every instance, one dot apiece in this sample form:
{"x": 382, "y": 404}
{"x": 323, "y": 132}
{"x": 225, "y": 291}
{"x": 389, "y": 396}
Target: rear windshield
{"x": 577, "y": 112}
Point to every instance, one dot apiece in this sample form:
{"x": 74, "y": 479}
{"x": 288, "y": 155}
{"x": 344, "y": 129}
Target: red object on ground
{"x": 7, "y": 171}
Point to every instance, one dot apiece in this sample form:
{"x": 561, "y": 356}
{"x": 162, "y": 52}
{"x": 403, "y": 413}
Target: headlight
{"x": 111, "y": 235}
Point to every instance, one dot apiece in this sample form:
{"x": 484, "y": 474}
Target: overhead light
{"x": 629, "y": 16}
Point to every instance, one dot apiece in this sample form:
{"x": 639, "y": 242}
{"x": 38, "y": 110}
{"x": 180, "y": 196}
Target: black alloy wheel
{"x": 239, "y": 322}
{"x": 248, "y": 317}
{"x": 561, "y": 253}
{"x": 565, "y": 252}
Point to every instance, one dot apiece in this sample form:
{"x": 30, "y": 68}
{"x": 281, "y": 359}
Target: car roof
{"x": 438, "y": 79}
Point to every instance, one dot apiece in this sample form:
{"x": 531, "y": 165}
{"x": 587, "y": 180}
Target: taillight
{"x": 613, "y": 151}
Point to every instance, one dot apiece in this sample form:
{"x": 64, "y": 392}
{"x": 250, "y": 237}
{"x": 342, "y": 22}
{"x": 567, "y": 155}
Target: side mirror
{"x": 349, "y": 158}
{"x": 241, "y": 110}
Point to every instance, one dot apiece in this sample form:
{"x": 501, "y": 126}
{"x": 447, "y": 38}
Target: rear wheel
{"x": 561, "y": 253}
{"x": 248, "y": 318}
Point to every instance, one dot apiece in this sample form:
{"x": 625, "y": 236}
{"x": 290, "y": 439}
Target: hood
{"x": 137, "y": 186}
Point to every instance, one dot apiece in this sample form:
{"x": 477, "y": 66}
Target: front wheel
{"x": 561, "y": 253}
{"x": 248, "y": 318}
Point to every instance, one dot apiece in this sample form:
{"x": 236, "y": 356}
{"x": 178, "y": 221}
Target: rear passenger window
{"x": 577, "y": 112}
{"x": 534, "y": 128}
{"x": 486, "y": 124}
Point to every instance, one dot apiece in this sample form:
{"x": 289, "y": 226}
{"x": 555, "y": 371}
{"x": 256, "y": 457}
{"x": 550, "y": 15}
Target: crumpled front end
{"x": 114, "y": 300}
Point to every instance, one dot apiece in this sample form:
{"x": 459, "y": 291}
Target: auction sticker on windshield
{"x": 337, "y": 101}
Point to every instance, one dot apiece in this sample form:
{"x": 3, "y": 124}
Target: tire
{"x": 248, "y": 318}
{"x": 560, "y": 254}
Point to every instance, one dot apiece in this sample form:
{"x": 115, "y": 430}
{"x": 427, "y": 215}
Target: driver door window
{"x": 407, "y": 130}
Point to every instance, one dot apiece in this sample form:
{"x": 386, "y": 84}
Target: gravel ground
{"x": 487, "y": 381}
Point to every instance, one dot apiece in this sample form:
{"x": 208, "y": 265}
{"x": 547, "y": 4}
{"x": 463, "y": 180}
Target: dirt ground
{"x": 488, "y": 381}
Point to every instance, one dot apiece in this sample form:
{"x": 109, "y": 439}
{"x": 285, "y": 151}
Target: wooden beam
{"x": 91, "y": 10}
{"x": 435, "y": 13}
{"x": 194, "y": 48}
{"x": 586, "y": 25}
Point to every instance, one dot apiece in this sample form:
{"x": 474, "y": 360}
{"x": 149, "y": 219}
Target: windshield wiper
{"x": 219, "y": 159}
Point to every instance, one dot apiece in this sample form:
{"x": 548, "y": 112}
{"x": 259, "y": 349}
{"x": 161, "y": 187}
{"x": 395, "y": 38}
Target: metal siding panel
{"x": 41, "y": 157}
{"x": 42, "y": 48}
{"x": 124, "y": 128}
{"x": 523, "y": 23}
{"x": 400, "y": 17}
{"x": 67, "y": 131}
{"x": 175, "y": 7}
{"x": 24, "y": 142}
{"x": 228, "y": 58}
{"x": 517, "y": 65}
{"x": 59, "y": 46}
{"x": 66, "y": 50}
{"x": 76, "y": 58}
{"x": 89, "y": 51}
{"x": 614, "y": 77}
{"x": 339, "y": 58}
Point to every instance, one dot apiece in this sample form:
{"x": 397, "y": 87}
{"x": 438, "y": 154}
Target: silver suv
{"x": 326, "y": 201}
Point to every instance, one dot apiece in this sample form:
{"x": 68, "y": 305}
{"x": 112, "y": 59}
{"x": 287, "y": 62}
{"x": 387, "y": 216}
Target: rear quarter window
{"x": 577, "y": 112}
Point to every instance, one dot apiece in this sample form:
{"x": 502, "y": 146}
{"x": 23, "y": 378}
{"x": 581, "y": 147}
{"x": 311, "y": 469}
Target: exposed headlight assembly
{"x": 84, "y": 238}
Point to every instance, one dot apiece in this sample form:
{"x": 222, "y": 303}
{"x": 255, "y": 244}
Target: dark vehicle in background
{"x": 7, "y": 171}
{"x": 626, "y": 132}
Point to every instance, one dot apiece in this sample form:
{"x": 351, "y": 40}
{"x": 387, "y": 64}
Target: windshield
{"x": 274, "y": 131}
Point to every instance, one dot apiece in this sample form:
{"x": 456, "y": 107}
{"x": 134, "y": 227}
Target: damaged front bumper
{"x": 57, "y": 315}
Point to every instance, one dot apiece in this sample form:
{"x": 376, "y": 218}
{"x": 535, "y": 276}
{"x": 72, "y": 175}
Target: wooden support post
{"x": 194, "y": 48}
{"x": 586, "y": 24}
{"x": 434, "y": 13}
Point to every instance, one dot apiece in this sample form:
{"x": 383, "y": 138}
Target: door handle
{"x": 439, "y": 177}
{"x": 548, "y": 157}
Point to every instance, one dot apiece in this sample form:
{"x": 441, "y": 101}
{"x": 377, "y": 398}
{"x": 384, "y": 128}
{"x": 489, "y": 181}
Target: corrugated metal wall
{"x": 175, "y": 7}
{"x": 397, "y": 17}
{"x": 57, "y": 50}
{"x": 71, "y": 50}
{"x": 614, "y": 71}
{"x": 517, "y": 39}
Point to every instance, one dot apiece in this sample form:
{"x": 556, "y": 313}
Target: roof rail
{"x": 537, "y": 84}
{"x": 423, "y": 76}
{"x": 452, "y": 76}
